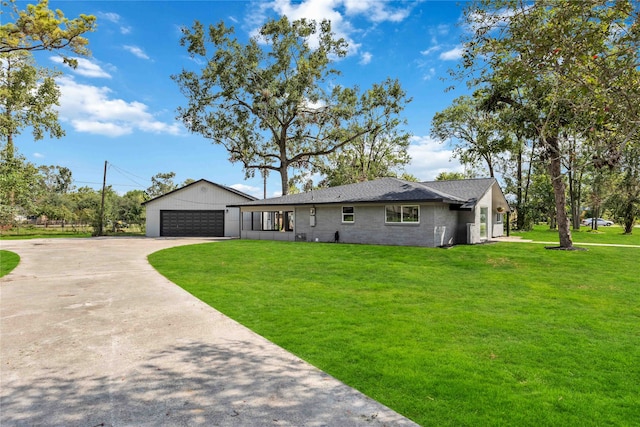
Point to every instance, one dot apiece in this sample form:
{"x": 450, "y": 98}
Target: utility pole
{"x": 104, "y": 183}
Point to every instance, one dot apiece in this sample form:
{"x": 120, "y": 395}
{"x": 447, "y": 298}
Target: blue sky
{"x": 119, "y": 105}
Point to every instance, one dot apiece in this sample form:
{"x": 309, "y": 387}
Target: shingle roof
{"x": 383, "y": 190}
{"x": 469, "y": 190}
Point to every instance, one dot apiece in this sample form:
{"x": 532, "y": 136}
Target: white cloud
{"x": 442, "y": 29}
{"x": 101, "y": 128}
{"x": 337, "y": 11}
{"x": 115, "y": 18}
{"x": 91, "y": 109}
{"x": 317, "y": 10}
{"x": 431, "y": 72}
{"x": 376, "y": 11}
{"x": 38, "y": 155}
{"x": 429, "y": 157}
{"x": 429, "y": 51}
{"x": 249, "y": 189}
{"x": 453, "y": 54}
{"x": 365, "y": 58}
{"x": 135, "y": 50}
{"x": 85, "y": 68}
{"x": 109, "y": 16}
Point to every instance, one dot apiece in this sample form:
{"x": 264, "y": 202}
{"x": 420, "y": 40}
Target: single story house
{"x": 386, "y": 211}
{"x": 200, "y": 209}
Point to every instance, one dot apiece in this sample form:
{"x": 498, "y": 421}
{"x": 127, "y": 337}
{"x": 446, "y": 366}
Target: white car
{"x": 600, "y": 221}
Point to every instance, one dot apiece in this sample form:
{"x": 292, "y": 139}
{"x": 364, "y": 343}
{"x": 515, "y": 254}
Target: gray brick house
{"x": 386, "y": 211}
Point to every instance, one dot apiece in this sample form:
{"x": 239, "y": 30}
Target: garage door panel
{"x": 192, "y": 223}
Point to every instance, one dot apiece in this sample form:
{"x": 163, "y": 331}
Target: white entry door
{"x": 484, "y": 223}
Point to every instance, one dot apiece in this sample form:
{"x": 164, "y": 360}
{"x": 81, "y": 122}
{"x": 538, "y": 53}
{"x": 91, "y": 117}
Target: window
{"x": 402, "y": 214}
{"x": 498, "y": 218}
{"x": 348, "y": 214}
{"x": 268, "y": 221}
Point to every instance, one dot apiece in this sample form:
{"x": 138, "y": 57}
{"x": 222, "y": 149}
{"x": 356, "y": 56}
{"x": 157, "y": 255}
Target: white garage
{"x": 199, "y": 209}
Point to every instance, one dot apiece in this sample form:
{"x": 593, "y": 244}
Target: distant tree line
{"x": 47, "y": 195}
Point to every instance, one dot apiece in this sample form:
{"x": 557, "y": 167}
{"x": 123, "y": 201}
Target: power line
{"x": 113, "y": 184}
{"x": 125, "y": 173}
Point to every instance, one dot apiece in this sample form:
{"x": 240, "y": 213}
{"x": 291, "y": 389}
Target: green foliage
{"x": 564, "y": 68}
{"x": 19, "y": 185}
{"x": 40, "y": 28}
{"x": 8, "y": 261}
{"x": 270, "y": 102}
{"x": 28, "y": 95}
{"x": 450, "y": 176}
{"x": 161, "y": 183}
{"x": 130, "y": 208}
{"x": 504, "y": 334}
{"x": 56, "y": 179}
{"x": 381, "y": 152}
{"x": 624, "y": 203}
{"x": 475, "y": 133}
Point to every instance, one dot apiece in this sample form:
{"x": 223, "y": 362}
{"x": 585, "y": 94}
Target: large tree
{"x": 270, "y": 102}
{"x": 28, "y": 95}
{"x": 576, "y": 64}
{"x": 39, "y": 28}
{"x": 378, "y": 153}
{"x": 474, "y": 132}
{"x": 28, "y": 92}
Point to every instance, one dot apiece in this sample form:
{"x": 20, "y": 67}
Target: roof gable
{"x": 466, "y": 189}
{"x": 232, "y": 190}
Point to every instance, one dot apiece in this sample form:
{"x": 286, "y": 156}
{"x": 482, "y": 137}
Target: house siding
{"x": 449, "y": 214}
{"x": 437, "y": 226}
{"x": 199, "y": 196}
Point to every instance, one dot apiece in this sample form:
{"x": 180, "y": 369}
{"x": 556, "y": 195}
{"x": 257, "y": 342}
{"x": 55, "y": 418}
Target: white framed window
{"x": 348, "y": 214}
{"x": 402, "y": 214}
{"x": 499, "y": 218}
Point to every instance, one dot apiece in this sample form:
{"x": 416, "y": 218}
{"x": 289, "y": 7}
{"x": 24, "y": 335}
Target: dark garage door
{"x": 192, "y": 223}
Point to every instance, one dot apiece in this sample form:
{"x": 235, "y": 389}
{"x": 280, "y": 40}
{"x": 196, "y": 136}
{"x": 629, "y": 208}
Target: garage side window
{"x": 348, "y": 214}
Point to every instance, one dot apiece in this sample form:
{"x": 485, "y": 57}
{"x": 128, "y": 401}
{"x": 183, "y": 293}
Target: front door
{"x": 484, "y": 223}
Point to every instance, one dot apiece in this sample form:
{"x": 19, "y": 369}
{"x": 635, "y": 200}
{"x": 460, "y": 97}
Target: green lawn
{"x": 613, "y": 234}
{"x": 500, "y": 334}
{"x": 8, "y": 261}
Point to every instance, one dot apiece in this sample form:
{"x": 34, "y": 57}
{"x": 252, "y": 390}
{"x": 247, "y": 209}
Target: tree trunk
{"x": 10, "y": 147}
{"x": 519, "y": 204}
{"x": 559, "y": 192}
{"x": 284, "y": 178}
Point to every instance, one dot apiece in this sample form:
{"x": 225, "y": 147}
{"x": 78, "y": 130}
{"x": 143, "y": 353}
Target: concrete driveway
{"x": 91, "y": 335}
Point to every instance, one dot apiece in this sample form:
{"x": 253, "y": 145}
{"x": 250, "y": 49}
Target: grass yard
{"x": 8, "y": 261}
{"x": 613, "y": 234}
{"x": 499, "y": 334}
{"x": 39, "y": 232}
{"x": 33, "y": 232}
